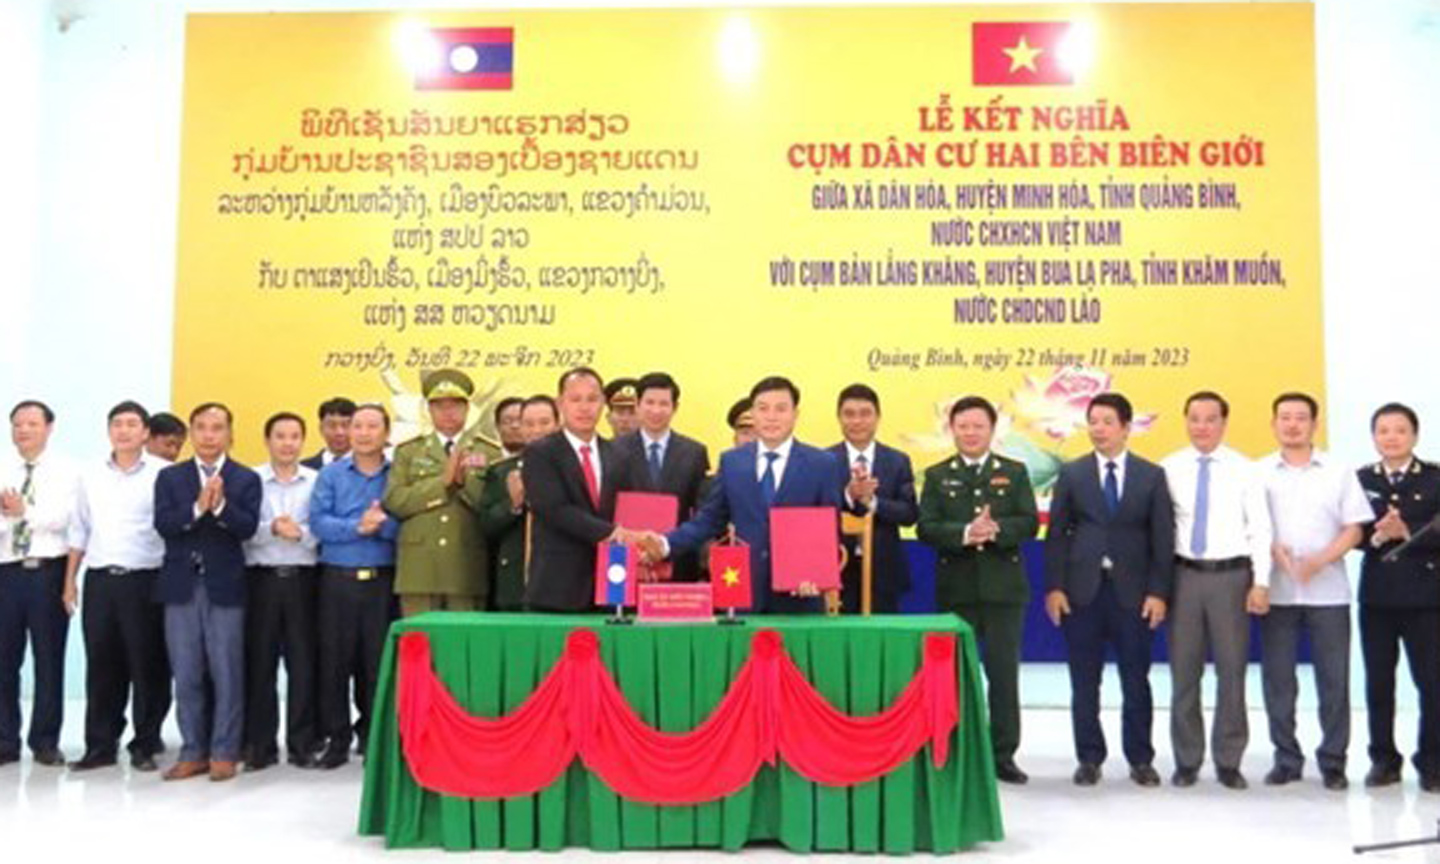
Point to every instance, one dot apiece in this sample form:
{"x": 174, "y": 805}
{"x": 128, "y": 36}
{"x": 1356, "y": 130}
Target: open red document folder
{"x": 639, "y": 511}
{"x": 804, "y": 547}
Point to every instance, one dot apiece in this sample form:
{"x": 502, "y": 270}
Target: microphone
{"x": 1429, "y": 528}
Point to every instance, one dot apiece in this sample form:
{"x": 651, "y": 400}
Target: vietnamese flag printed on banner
{"x": 1020, "y": 54}
{"x": 471, "y": 58}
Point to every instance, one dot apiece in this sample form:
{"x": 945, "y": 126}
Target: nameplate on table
{"x": 676, "y": 603}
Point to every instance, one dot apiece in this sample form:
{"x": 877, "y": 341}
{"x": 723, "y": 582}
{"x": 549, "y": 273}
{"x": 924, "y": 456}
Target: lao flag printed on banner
{"x": 1021, "y": 54}
{"x": 470, "y": 58}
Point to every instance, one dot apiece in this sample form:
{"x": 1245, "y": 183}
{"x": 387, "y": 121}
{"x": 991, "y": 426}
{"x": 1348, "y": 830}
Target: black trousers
{"x": 32, "y": 605}
{"x": 125, "y": 661}
{"x": 355, "y": 616}
{"x": 280, "y": 621}
{"x": 1382, "y": 632}
{"x": 1088, "y": 631}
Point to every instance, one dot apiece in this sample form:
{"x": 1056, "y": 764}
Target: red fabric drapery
{"x": 769, "y": 711}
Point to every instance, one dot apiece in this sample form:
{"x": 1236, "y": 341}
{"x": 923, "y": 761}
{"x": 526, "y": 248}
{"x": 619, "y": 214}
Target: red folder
{"x": 804, "y": 547}
{"x": 648, "y": 511}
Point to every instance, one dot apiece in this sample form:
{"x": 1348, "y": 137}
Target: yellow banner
{"x": 1025, "y": 202}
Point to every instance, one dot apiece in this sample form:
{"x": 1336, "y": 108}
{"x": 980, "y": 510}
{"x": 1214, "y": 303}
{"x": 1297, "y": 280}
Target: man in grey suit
{"x": 1109, "y": 563}
{"x": 664, "y": 461}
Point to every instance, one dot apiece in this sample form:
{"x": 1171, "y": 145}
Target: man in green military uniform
{"x": 435, "y": 489}
{"x": 503, "y": 511}
{"x": 976, "y": 509}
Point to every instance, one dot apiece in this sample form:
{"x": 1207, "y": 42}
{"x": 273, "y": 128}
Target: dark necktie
{"x": 767, "y": 480}
{"x": 449, "y": 446}
{"x": 1396, "y": 477}
{"x": 20, "y": 542}
{"x": 655, "y": 462}
{"x": 1112, "y": 488}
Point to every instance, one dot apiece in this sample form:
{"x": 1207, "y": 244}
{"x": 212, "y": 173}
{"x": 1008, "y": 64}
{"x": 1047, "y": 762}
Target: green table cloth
{"x": 673, "y": 675}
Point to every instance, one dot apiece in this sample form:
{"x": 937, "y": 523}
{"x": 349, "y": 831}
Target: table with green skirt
{"x": 673, "y": 675}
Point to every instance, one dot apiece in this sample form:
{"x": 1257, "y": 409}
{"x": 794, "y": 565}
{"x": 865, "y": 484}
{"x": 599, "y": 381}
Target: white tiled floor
{"x": 284, "y": 815}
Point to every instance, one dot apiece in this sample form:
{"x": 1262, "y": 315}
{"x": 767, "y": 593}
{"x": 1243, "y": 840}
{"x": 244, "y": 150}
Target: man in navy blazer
{"x": 1109, "y": 564}
{"x": 775, "y": 471}
{"x": 205, "y": 508}
{"x": 880, "y": 481}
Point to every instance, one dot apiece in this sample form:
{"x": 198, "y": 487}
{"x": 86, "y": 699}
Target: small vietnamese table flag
{"x": 730, "y": 576}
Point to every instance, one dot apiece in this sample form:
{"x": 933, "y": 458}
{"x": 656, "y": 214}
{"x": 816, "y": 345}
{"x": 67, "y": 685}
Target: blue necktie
{"x": 207, "y": 470}
{"x": 767, "y": 480}
{"x": 1202, "y": 510}
{"x": 1112, "y": 488}
{"x": 655, "y": 462}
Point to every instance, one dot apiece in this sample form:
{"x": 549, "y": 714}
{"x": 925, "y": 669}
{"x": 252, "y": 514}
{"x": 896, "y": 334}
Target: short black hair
{"x": 972, "y": 403}
{"x": 129, "y": 406}
{"x": 505, "y": 403}
{"x": 542, "y": 399}
{"x": 33, "y": 403}
{"x": 658, "y": 381}
{"x": 1209, "y": 396}
{"x": 1296, "y": 396}
{"x": 337, "y": 406}
{"x": 281, "y": 417}
{"x": 163, "y": 424}
{"x": 1395, "y": 408}
{"x": 773, "y": 383}
{"x": 1114, "y": 401}
{"x": 859, "y": 393}
{"x": 213, "y": 406}
{"x": 375, "y": 406}
{"x": 732, "y": 417}
{"x": 578, "y": 372}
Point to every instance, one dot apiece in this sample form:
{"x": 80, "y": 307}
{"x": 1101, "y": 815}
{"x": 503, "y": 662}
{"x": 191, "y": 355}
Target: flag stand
{"x": 619, "y": 616}
{"x": 730, "y": 617}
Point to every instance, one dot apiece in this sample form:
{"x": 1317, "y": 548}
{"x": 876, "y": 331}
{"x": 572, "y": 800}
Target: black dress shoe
{"x": 1335, "y": 780}
{"x": 1144, "y": 775}
{"x": 260, "y": 763}
{"x": 1430, "y": 782}
{"x": 333, "y": 758}
{"x": 1087, "y": 774}
{"x": 50, "y": 757}
{"x": 7, "y": 758}
{"x": 143, "y": 762}
{"x": 1009, "y": 772}
{"x": 1184, "y": 777}
{"x": 91, "y": 761}
{"x": 303, "y": 760}
{"x": 1280, "y": 775}
{"x": 1382, "y": 775}
{"x": 1231, "y": 778}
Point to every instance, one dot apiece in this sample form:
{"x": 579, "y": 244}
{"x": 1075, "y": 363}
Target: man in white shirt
{"x": 1222, "y": 530}
{"x": 37, "y": 503}
{"x": 1317, "y": 509}
{"x": 280, "y": 604}
{"x": 114, "y": 537}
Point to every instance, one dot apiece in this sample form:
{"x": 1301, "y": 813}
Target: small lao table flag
{"x": 615, "y": 575}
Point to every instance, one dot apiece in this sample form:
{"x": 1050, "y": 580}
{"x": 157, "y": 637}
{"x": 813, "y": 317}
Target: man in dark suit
{"x": 977, "y": 511}
{"x": 205, "y": 508}
{"x": 881, "y": 481}
{"x": 1400, "y": 599}
{"x": 571, "y": 478}
{"x": 335, "y": 415}
{"x": 664, "y": 461}
{"x": 775, "y": 471}
{"x": 1109, "y": 564}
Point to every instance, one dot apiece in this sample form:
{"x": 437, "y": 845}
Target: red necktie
{"x": 588, "y": 468}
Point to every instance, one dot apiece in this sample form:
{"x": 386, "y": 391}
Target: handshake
{"x": 650, "y": 543}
